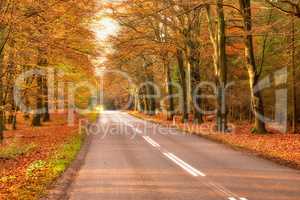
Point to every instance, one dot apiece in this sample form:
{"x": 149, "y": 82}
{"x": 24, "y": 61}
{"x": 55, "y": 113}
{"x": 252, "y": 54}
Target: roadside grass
{"x": 16, "y": 149}
{"x": 31, "y": 159}
{"x": 40, "y": 174}
{"x": 92, "y": 116}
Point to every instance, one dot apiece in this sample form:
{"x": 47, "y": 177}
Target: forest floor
{"x": 283, "y": 148}
{"x": 31, "y": 158}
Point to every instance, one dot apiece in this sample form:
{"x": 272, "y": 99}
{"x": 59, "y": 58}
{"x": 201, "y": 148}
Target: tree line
{"x": 37, "y": 35}
{"x": 239, "y": 45}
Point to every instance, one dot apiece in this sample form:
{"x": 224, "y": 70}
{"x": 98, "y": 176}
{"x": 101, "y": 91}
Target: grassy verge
{"x": 16, "y": 149}
{"x": 41, "y": 173}
{"x": 92, "y": 116}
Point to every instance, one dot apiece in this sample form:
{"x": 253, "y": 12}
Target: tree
{"x": 218, "y": 39}
{"x": 238, "y": 36}
{"x": 254, "y": 73}
{"x": 5, "y": 10}
{"x": 291, "y": 7}
{"x": 35, "y": 35}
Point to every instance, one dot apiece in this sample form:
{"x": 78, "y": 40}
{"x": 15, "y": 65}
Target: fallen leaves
{"x": 16, "y": 180}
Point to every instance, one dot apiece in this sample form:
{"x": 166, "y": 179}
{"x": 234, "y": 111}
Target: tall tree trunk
{"x": 10, "y": 80}
{"x": 180, "y": 59}
{"x": 46, "y": 115}
{"x": 1, "y": 98}
{"x": 150, "y": 95}
{"x": 143, "y": 100}
{"x": 14, "y": 121}
{"x": 26, "y": 113}
{"x": 149, "y": 89}
{"x": 4, "y": 35}
{"x": 193, "y": 56}
{"x": 256, "y": 98}
{"x": 218, "y": 40}
{"x": 195, "y": 80}
{"x": 136, "y": 101}
{"x": 36, "y": 120}
{"x": 145, "y": 104}
{"x": 42, "y": 62}
{"x": 293, "y": 75}
{"x": 169, "y": 90}
{"x": 222, "y": 70}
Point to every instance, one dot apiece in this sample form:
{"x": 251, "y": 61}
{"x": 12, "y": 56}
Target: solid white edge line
{"x": 181, "y": 165}
{"x": 187, "y": 165}
{"x": 232, "y": 198}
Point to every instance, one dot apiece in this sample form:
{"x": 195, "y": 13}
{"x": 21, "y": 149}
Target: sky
{"x": 105, "y": 28}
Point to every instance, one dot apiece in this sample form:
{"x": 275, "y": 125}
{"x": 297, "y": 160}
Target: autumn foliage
{"x": 240, "y": 53}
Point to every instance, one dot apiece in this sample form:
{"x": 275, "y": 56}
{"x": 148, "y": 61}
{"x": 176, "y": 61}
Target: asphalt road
{"x": 132, "y": 159}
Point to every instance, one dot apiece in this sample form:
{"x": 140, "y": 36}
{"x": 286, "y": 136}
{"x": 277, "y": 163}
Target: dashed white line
{"x": 150, "y": 141}
{"x": 138, "y": 131}
{"x": 191, "y": 170}
{"x": 187, "y": 165}
{"x": 155, "y": 143}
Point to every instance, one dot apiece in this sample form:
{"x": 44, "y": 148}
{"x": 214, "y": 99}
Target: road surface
{"x": 129, "y": 158}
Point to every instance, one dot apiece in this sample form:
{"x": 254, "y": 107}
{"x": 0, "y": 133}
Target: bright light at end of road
{"x": 107, "y": 27}
{"x": 100, "y": 108}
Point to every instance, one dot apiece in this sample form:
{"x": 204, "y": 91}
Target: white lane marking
{"x": 187, "y": 165}
{"x": 138, "y": 131}
{"x": 181, "y": 165}
{"x": 184, "y": 165}
{"x": 135, "y": 129}
{"x": 221, "y": 189}
{"x": 151, "y": 141}
{"x": 147, "y": 140}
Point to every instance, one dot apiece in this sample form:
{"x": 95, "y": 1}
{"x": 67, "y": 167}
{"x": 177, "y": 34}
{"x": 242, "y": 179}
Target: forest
{"x": 235, "y": 59}
{"x": 41, "y": 43}
{"x": 46, "y": 48}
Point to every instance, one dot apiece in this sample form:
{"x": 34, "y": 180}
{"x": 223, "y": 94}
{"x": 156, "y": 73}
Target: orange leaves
{"x": 46, "y": 140}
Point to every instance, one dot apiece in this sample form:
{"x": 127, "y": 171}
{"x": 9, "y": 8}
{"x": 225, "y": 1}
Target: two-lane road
{"x": 132, "y": 159}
